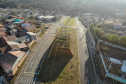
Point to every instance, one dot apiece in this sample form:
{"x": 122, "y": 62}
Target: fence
{"x": 112, "y": 45}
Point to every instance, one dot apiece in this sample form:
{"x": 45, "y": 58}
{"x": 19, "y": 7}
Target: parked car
{"x": 46, "y": 27}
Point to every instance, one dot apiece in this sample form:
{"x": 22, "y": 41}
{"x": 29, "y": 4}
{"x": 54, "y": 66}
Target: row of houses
{"x": 16, "y": 33}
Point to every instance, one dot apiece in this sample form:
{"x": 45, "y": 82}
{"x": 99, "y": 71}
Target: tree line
{"x": 112, "y": 38}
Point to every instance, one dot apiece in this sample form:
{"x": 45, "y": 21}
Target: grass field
{"x": 66, "y": 67}
{"x": 71, "y": 22}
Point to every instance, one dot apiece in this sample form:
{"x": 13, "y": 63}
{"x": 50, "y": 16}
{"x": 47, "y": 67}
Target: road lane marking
{"x": 36, "y": 62}
{"x": 31, "y": 78}
{"x": 31, "y": 57}
{"x": 27, "y": 80}
{"x": 21, "y": 79}
{"x": 34, "y": 81}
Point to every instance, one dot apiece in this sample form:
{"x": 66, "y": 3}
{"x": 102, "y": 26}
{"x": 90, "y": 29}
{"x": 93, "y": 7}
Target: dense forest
{"x": 106, "y": 7}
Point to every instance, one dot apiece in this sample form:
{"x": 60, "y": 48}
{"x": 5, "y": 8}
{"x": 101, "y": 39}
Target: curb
{"x": 94, "y": 67}
{"x": 93, "y": 62}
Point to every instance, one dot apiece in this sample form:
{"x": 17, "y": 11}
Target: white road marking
{"x": 21, "y": 79}
{"x": 36, "y": 62}
{"x": 34, "y": 81}
{"x": 31, "y": 79}
{"x": 25, "y": 80}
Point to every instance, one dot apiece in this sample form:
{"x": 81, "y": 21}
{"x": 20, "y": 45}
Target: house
{"x": 3, "y": 77}
{"x": 2, "y": 29}
{"x": 48, "y": 18}
{"x": 29, "y": 28}
{"x": 29, "y": 22}
{"x": 3, "y": 15}
{"x": 26, "y": 15}
{"x": 11, "y": 61}
{"x": 23, "y": 37}
{"x": 2, "y": 34}
{"x": 32, "y": 35}
{"x": 9, "y": 38}
{"x": 18, "y": 21}
{"x": 40, "y": 18}
{"x": 6, "y": 46}
{"x": 13, "y": 31}
{"x": 25, "y": 25}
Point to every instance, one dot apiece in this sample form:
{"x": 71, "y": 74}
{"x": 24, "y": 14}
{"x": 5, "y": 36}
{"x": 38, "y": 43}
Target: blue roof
{"x": 117, "y": 27}
{"x": 17, "y": 20}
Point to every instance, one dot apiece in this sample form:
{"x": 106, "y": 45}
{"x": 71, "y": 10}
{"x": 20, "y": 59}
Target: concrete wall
{"x": 112, "y": 45}
{"x": 19, "y": 63}
{"x": 18, "y": 60}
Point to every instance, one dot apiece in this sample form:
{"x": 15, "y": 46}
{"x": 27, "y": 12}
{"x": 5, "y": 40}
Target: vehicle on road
{"x": 46, "y": 27}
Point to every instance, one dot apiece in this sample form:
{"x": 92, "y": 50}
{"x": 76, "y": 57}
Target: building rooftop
{"x": 30, "y": 28}
{"x": 31, "y": 33}
{"x": 117, "y": 54}
{"x": 8, "y": 59}
{"x": 10, "y": 38}
{"x": 13, "y": 43}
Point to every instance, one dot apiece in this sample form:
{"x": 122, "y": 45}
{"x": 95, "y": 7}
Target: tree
{"x": 32, "y": 17}
{"x": 96, "y": 31}
{"x": 114, "y": 39}
{"x": 107, "y": 37}
{"x": 101, "y": 34}
{"x": 122, "y": 41}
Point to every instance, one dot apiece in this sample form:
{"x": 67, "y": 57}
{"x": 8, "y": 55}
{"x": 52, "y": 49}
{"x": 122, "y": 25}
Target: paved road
{"x": 30, "y": 69}
{"x": 87, "y": 75}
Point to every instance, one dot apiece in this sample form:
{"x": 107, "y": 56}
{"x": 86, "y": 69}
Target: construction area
{"x": 61, "y": 66}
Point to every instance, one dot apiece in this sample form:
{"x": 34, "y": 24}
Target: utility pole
{"x": 65, "y": 30}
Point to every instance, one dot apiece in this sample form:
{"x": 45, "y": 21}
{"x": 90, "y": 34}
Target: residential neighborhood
{"x": 18, "y": 31}
{"x": 62, "y": 42}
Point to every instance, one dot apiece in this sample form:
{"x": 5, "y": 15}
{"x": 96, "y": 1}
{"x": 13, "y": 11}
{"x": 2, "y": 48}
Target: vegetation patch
{"x": 98, "y": 31}
{"x": 33, "y": 45}
{"x": 64, "y": 59}
{"x": 70, "y": 23}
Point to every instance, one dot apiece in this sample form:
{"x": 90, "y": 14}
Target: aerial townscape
{"x": 62, "y": 42}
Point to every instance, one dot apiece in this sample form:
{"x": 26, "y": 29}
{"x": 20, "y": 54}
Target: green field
{"x": 71, "y": 22}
